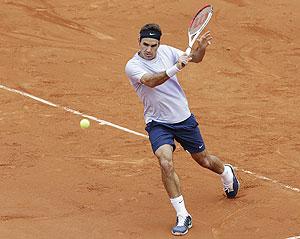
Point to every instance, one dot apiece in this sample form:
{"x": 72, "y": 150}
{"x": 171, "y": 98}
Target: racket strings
{"x": 200, "y": 20}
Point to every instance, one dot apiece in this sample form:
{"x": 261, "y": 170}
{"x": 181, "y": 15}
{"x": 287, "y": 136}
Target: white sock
{"x": 178, "y": 204}
{"x": 227, "y": 176}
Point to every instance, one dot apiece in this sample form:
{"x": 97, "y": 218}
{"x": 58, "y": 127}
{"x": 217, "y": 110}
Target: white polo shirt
{"x": 164, "y": 103}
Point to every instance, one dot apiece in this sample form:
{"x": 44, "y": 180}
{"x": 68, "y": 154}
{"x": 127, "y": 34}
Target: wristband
{"x": 172, "y": 71}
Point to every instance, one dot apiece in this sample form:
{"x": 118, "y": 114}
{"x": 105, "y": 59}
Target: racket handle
{"x": 188, "y": 50}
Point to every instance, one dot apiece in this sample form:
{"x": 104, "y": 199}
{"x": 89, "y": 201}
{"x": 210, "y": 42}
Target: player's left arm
{"x": 198, "y": 53}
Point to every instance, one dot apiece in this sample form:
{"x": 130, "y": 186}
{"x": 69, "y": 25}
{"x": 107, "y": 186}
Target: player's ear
{"x": 139, "y": 39}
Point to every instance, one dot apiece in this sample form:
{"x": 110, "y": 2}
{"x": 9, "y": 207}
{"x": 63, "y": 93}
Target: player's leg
{"x": 226, "y": 171}
{"x": 210, "y": 162}
{"x": 171, "y": 182}
{"x": 169, "y": 177}
{"x": 162, "y": 142}
{"x": 189, "y": 136}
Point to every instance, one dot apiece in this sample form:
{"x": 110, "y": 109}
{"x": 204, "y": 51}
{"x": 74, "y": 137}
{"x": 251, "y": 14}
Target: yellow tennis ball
{"x": 84, "y": 123}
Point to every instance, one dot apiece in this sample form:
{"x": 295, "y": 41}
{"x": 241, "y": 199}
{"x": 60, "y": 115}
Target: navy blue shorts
{"x": 186, "y": 133}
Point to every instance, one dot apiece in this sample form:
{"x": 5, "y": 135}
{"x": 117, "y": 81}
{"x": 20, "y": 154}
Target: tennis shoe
{"x": 232, "y": 189}
{"x": 183, "y": 224}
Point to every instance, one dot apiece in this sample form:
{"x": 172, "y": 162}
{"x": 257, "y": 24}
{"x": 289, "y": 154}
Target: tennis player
{"x": 152, "y": 73}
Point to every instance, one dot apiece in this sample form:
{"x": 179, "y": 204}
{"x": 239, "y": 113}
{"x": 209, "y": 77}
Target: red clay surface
{"x": 59, "y": 181}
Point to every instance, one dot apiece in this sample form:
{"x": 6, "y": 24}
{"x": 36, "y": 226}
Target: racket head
{"x": 199, "y": 22}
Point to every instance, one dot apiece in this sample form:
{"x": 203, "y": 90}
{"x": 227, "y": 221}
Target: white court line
{"x": 103, "y": 122}
{"x": 296, "y": 237}
{"x": 270, "y": 180}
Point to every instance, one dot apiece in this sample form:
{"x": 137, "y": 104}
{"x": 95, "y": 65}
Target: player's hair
{"x": 151, "y": 30}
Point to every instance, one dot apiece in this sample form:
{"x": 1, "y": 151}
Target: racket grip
{"x": 188, "y": 50}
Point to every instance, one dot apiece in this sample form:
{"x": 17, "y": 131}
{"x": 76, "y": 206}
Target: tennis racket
{"x": 197, "y": 25}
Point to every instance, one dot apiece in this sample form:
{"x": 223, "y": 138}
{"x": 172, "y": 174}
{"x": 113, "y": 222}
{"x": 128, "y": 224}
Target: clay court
{"x": 62, "y": 59}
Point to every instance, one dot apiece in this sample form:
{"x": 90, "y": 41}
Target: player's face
{"x": 148, "y": 48}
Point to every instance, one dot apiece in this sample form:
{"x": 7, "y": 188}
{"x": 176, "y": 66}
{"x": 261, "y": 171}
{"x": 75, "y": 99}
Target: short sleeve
{"x": 134, "y": 72}
{"x": 176, "y": 52}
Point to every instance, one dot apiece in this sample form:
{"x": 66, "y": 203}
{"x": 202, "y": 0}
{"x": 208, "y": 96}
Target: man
{"x": 152, "y": 72}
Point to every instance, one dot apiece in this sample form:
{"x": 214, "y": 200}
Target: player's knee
{"x": 166, "y": 165}
{"x": 202, "y": 158}
{"x": 203, "y": 161}
{"x": 165, "y": 157}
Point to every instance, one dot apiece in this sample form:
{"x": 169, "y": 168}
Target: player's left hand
{"x": 205, "y": 39}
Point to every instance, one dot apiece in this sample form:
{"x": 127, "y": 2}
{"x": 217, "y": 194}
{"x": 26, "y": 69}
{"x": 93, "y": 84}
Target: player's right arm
{"x": 152, "y": 80}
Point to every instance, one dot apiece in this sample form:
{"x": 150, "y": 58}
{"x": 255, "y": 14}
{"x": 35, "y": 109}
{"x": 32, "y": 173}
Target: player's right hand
{"x": 183, "y": 61}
